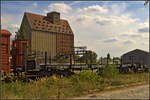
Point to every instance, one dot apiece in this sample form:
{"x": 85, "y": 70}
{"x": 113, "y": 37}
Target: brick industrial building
{"x": 47, "y": 34}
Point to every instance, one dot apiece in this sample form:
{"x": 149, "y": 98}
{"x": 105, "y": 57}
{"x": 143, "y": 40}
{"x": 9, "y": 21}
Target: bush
{"x": 12, "y": 78}
{"x": 108, "y": 71}
{"x": 64, "y": 87}
{"x": 89, "y": 76}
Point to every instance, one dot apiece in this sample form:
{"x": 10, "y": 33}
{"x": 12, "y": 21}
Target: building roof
{"x": 5, "y": 32}
{"x": 136, "y": 50}
{"x": 43, "y": 23}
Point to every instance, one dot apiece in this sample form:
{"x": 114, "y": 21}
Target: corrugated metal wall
{"x": 135, "y": 57}
{"x": 44, "y": 42}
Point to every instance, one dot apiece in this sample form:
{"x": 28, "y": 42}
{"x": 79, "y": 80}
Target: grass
{"x": 68, "y": 87}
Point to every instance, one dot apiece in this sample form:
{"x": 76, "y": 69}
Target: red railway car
{"x": 4, "y": 51}
{"x": 19, "y": 52}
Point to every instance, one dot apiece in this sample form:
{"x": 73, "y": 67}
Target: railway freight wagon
{"x": 4, "y": 51}
{"x": 19, "y": 54}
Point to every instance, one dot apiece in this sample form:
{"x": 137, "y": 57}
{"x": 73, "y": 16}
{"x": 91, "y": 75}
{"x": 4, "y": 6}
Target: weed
{"x": 65, "y": 87}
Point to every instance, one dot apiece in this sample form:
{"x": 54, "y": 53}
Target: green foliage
{"x": 108, "y": 56}
{"x": 88, "y": 76}
{"x": 86, "y": 80}
{"x": 66, "y": 87}
{"x": 12, "y": 78}
{"x": 108, "y": 71}
{"x": 19, "y": 35}
{"x": 89, "y": 57}
{"x": 77, "y": 58}
{"x": 104, "y": 60}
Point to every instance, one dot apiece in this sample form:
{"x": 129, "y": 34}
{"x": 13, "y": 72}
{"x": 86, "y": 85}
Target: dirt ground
{"x": 133, "y": 92}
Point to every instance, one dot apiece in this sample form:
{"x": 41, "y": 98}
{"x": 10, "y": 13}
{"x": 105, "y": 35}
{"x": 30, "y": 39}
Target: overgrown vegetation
{"x": 90, "y": 57}
{"x": 108, "y": 71}
{"x": 67, "y": 87}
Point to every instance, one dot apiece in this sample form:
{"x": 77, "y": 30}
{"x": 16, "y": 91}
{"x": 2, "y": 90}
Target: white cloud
{"x": 93, "y": 27}
{"x": 6, "y": 20}
{"x": 8, "y": 24}
{"x": 144, "y": 24}
{"x": 116, "y": 9}
{"x": 13, "y": 26}
{"x": 94, "y": 24}
{"x": 60, "y": 7}
{"x": 95, "y": 8}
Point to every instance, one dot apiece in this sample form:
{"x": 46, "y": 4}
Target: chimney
{"x": 54, "y": 16}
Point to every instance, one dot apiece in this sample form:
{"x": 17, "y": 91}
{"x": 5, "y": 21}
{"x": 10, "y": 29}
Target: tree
{"x": 89, "y": 57}
{"x": 108, "y": 56}
{"x": 19, "y": 35}
{"x": 62, "y": 58}
{"x": 77, "y": 58}
{"x": 100, "y": 60}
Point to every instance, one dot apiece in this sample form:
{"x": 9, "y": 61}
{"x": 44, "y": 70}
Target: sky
{"x": 114, "y": 27}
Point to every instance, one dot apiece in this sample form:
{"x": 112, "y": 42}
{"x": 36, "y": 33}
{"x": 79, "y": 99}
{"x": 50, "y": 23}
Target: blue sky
{"x": 103, "y": 26}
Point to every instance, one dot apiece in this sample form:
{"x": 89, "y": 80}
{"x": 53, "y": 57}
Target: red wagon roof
{"x": 5, "y": 32}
